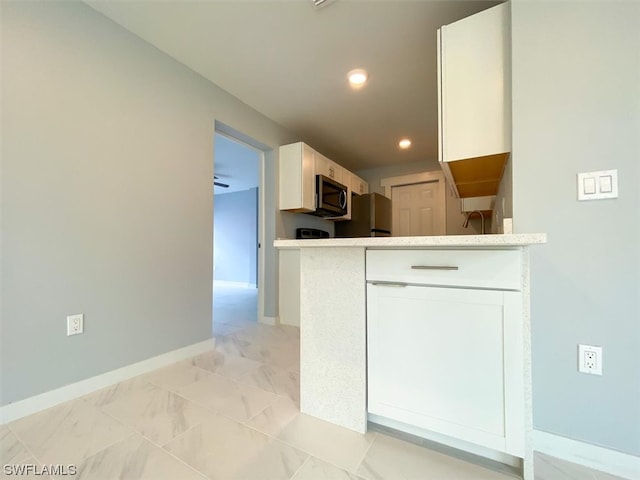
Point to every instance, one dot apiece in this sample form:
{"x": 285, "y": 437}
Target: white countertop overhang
{"x": 445, "y": 241}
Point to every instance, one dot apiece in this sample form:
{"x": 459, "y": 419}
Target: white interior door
{"x": 417, "y": 209}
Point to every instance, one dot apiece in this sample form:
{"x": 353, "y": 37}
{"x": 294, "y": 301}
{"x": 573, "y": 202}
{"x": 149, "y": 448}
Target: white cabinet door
{"x": 297, "y": 178}
{"x": 358, "y": 185}
{"x": 449, "y": 361}
{"x": 328, "y": 168}
{"x": 475, "y": 111}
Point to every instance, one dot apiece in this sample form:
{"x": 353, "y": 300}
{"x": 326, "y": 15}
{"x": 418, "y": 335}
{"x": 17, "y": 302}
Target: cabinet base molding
{"x": 592, "y": 456}
{"x": 453, "y": 443}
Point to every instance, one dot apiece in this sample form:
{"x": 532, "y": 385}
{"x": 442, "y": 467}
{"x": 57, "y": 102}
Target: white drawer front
{"x": 494, "y": 269}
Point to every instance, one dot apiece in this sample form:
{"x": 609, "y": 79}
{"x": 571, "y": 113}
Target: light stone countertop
{"x": 456, "y": 241}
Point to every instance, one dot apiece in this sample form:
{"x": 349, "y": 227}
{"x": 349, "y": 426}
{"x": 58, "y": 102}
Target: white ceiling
{"x": 288, "y": 60}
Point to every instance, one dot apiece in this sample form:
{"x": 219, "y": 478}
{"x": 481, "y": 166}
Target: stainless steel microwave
{"x": 331, "y": 198}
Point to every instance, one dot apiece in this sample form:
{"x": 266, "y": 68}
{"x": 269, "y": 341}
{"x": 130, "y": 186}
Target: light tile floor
{"x": 232, "y": 413}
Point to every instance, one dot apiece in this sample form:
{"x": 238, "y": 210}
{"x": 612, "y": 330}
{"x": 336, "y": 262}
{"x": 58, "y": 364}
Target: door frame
{"x": 262, "y": 150}
{"x": 423, "y": 177}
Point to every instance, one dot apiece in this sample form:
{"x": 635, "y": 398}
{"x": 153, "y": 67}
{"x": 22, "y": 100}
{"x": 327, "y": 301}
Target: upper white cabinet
{"x": 474, "y": 106}
{"x": 297, "y": 178}
{"x": 299, "y": 165}
{"x": 329, "y": 168}
{"x": 358, "y": 185}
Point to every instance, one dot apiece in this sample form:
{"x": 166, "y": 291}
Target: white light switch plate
{"x": 598, "y": 185}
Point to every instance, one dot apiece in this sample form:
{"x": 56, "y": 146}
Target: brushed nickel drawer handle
{"x": 432, "y": 267}
{"x": 389, "y": 284}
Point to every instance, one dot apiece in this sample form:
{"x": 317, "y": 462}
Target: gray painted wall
{"x": 235, "y": 236}
{"x": 576, "y": 107}
{"x": 106, "y": 196}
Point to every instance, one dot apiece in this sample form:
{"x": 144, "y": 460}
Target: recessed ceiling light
{"x": 404, "y": 143}
{"x": 357, "y": 78}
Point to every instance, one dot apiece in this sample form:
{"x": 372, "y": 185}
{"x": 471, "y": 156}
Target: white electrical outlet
{"x": 590, "y": 359}
{"x": 75, "y": 324}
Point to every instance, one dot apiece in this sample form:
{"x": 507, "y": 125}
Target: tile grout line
{"x": 131, "y": 435}
{"x": 89, "y": 456}
{"x": 171, "y": 454}
{"x": 135, "y": 433}
{"x": 280, "y": 397}
{"x": 21, "y": 442}
{"x": 218, "y": 413}
{"x": 375, "y": 437}
{"x": 227, "y": 376}
{"x": 307, "y": 460}
{"x": 221, "y": 415}
{"x": 142, "y": 435}
{"x": 99, "y": 407}
{"x": 162, "y": 447}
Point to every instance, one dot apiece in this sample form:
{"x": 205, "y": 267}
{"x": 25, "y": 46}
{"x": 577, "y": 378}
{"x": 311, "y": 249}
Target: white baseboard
{"x": 592, "y": 456}
{"x": 37, "y": 403}
{"x": 268, "y": 320}
{"x": 226, "y": 283}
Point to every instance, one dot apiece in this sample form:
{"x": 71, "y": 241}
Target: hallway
{"x": 233, "y": 308}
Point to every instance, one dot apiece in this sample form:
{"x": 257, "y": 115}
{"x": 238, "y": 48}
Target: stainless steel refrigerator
{"x": 370, "y": 217}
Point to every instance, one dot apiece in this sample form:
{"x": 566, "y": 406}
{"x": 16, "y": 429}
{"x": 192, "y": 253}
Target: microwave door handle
{"x": 343, "y": 199}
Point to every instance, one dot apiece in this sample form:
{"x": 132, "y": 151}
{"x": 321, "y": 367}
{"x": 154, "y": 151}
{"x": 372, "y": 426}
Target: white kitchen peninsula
{"x": 479, "y": 287}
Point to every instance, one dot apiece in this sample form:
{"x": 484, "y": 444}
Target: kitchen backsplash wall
{"x": 290, "y": 221}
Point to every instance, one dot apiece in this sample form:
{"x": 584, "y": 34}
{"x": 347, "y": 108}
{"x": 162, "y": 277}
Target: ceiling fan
{"x": 219, "y": 184}
{"x": 321, "y": 3}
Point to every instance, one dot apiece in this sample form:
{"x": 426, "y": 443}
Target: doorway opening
{"x": 237, "y": 233}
